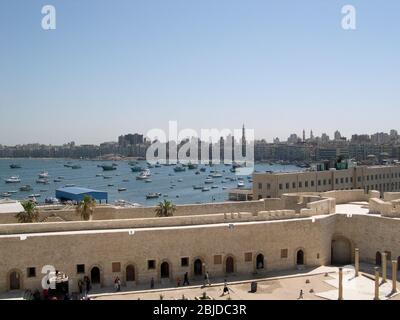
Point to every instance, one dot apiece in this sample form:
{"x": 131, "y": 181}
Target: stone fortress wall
{"x": 224, "y": 239}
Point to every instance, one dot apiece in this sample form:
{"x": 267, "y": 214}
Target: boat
{"x": 69, "y": 185}
{"x": 60, "y": 177}
{"x": 224, "y": 188}
{"x": 108, "y": 167}
{"x": 68, "y": 165}
{"x": 209, "y": 180}
{"x": 36, "y": 195}
{"x": 136, "y": 169}
{"x": 43, "y": 175}
{"x": 76, "y": 166}
{"x": 125, "y": 180}
{"x": 110, "y": 185}
{"x": 214, "y": 187}
{"x": 180, "y": 180}
{"x": 13, "y": 191}
{"x": 197, "y": 172}
{"x": 153, "y": 195}
{"x": 157, "y": 165}
{"x": 15, "y": 166}
{"x": 205, "y": 189}
{"x": 99, "y": 175}
{"x": 42, "y": 181}
{"x": 6, "y": 194}
{"x": 13, "y": 179}
{"x": 57, "y": 180}
{"x": 26, "y": 188}
{"x": 132, "y": 163}
{"x": 107, "y": 177}
{"x": 145, "y": 174}
{"x": 203, "y": 169}
{"x": 121, "y": 189}
{"x": 216, "y": 175}
{"x": 240, "y": 184}
{"x": 192, "y": 166}
{"x": 179, "y": 169}
{"x": 148, "y": 180}
{"x": 197, "y": 187}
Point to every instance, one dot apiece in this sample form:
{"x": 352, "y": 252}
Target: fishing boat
{"x": 197, "y": 187}
{"x": 13, "y": 179}
{"x": 240, "y": 184}
{"x": 43, "y": 175}
{"x": 69, "y": 185}
{"x": 180, "y": 180}
{"x": 125, "y": 180}
{"x": 197, "y": 172}
{"x": 42, "y": 181}
{"x": 145, "y": 174}
{"x": 107, "y": 177}
{"x": 108, "y": 167}
{"x": 136, "y": 169}
{"x": 110, "y": 185}
{"x": 26, "y": 188}
{"x": 15, "y": 166}
{"x": 203, "y": 169}
{"x": 192, "y": 166}
{"x": 76, "y": 166}
{"x": 6, "y": 194}
{"x": 57, "y": 180}
{"x": 179, "y": 169}
{"x": 214, "y": 187}
{"x": 153, "y": 195}
{"x": 12, "y": 191}
{"x": 99, "y": 175}
{"x": 224, "y": 188}
{"x": 205, "y": 189}
{"x": 68, "y": 165}
{"x": 148, "y": 180}
{"x": 209, "y": 180}
{"x": 216, "y": 175}
{"x": 121, "y": 189}
{"x": 36, "y": 195}
{"x": 157, "y": 165}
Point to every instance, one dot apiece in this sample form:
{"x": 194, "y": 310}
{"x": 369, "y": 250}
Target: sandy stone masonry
{"x": 224, "y": 239}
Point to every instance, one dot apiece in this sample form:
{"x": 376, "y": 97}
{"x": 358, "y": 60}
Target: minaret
{"x": 304, "y": 135}
{"x": 243, "y": 141}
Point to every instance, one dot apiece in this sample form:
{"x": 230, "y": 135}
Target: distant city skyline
{"x": 114, "y": 67}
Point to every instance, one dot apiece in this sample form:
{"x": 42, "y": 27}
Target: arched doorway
{"x": 260, "y": 261}
{"x": 229, "y": 265}
{"x": 378, "y": 259}
{"x": 300, "y": 257}
{"x": 130, "y": 273}
{"x": 340, "y": 251}
{"x": 95, "y": 275}
{"x": 15, "y": 281}
{"x": 198, "y": 267}
{"x": 164, "y": 270}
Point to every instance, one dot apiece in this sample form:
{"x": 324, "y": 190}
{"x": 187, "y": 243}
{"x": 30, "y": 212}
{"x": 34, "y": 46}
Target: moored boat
{"x": 26, "y": 188}
{"x": 13, "y": 179}
{"x": 153, "y": 195}
{"x": 15, "y": 166}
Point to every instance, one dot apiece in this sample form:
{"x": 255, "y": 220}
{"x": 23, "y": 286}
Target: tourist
{"x": 300, "y": 295}
{"x": 206, "y": 279}
{"x": 226, "y": 289}
{"x": 117, "y": 284}
{"x": 186, "y": 279}
{"x": 87, "y": 284}
{"x": 152, "y": 283}
{"x": 80, "y": 286}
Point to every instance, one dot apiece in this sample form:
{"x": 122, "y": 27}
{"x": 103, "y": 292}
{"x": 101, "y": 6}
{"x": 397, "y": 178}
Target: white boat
{"x": 240, "y": 184}
{"x": 209, "y": 180}
{"x": 216, "y": 175}
{"x": 205, "y": 189}
{"x": 42, "y": 181}
{"x": 6, "y": 194}
{"x": 145, "y": 174}
{"x": 44, "y": 175}
{"x": 13, "y": 179}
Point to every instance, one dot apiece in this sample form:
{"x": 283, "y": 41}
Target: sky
{"x": 121, "y": 66}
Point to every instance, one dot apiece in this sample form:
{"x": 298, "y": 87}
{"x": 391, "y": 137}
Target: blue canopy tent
{"x": 77, "y": 194}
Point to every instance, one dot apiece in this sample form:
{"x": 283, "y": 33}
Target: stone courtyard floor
{"x": 317, "y": 284}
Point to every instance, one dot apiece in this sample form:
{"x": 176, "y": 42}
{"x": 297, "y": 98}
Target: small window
{"x": 185, "y": 262}
{"x": 116, "y": 267}
{"x": 294, "y": 185}
{"x": 259, "y": 185}
{"x": 317, "y": 255}
{"x": 80, "y": 268}
{"x": 319, "y": 182}
{"x": 280, "y": 186}
{"x": 151, "y": 264}
{"x": 248, "y": 256}
{"x": 312, "y": 183}
{"x": 268, "y": 186}
{"x": 347, "y": 180}
{"x": 306, "y": 184}
{"x": 324, "y": 182}
{"x": 284, "y": 253}
{"x": 300, "y": 184}
{"x": 31, "y": 272}
{"x": 217, "y": 259}
{"x": 337, "y": 181}
{"x": 287, "y": 186}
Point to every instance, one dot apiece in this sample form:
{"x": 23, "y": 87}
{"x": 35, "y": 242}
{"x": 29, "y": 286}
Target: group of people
{"x": 117, "y": 284}
{"x": 84, "y": 287}
{"x": 186, "y": 280}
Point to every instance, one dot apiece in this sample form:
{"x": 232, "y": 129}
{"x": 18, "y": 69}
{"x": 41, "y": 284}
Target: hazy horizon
{"x": 118, "y": 67}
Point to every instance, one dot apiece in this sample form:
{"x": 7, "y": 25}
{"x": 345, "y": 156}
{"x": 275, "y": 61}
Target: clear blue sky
{"x": 114, "y": 67}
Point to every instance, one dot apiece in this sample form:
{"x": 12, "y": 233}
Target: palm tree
{"x": 85, "y": 208}
{"x": 165, "y": 209}
{"x": 31, "y": 214}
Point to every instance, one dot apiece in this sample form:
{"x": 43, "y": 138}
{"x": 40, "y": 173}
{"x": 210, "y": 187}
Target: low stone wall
{"x": 389, "y": 209}
{"x": 390, "y": 196}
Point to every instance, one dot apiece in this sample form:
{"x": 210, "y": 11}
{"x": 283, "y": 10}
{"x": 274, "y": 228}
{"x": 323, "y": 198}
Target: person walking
{"x": 300, "y": 295}
{"x": 226, "y": 289}
{"x": 186, "y": 279}
{"x": 206, "y": 279}
{"x": 152, "y": 283}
